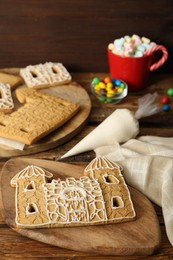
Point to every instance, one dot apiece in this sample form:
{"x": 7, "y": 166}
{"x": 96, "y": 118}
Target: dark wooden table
{"x": 13, "y": 245}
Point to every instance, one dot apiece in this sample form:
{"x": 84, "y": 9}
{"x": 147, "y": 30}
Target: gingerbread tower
{"x": 116, "y": 195}
{"x": 31, "y": 200}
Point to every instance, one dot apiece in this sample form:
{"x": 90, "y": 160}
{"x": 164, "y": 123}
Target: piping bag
{"x": 119, "y": 127}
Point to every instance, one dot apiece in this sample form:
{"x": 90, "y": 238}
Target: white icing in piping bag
{"x": 119, "y": 127}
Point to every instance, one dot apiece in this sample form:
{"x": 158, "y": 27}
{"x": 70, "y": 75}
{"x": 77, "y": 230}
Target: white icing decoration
{"x": 74, "y": 201}
{"x": 6, "y": 101}
{"x": 44, "y": 74}
{"x": 76, "y": 205}
{"x": 101, "y": 162}
{"x": 30, "y": 171}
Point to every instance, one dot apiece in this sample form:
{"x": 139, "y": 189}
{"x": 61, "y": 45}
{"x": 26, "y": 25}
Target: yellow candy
{"x": 120, "y": 90}
{"x": 110, "y": 93}
{"x": 96, "y": 87}
{"x": 102, "y": 85}
{"x": 109, "y": 85}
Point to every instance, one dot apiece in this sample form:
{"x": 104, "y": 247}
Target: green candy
{"x": 102, "y": 99}
{"x": 95, "y": 81}
{"x": 170, "y": 92}
{"x": 109, "y": 100}
{"x": 122, "y": 85}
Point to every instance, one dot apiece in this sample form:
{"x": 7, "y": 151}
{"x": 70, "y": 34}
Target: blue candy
{"x": 166, "y": 108}
{"x": 117, "y": 82}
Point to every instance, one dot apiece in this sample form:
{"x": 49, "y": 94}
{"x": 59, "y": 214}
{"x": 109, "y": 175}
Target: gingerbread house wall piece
{"x": 45, "y": 75}
{"x": 41, "y": 114}
{"x": 98, "y": 199}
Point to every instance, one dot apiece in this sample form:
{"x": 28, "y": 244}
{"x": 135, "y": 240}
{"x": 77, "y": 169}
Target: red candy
{"x": 165, "y": 100}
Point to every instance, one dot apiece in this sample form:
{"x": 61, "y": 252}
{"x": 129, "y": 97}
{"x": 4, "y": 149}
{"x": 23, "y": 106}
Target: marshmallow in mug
{"x": 133, "y": 46}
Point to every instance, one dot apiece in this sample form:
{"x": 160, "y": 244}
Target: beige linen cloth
{"x": 148, "y": 166}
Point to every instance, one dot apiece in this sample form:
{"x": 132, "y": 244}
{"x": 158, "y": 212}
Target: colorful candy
{"x": 133, "y": 46}
{"x": 165, "y": 100}
{"x": 108, "y": 90}
{"x": 170, "y": 92}
{"x": 166, "y": 108}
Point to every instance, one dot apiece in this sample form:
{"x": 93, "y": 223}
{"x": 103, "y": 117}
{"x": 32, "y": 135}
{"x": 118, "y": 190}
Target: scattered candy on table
{"x": 133, "y": 46}
{"x": 170, "y": 92}
{"x": 166, "y": 108}
{"x": 165, "y": 100}
{"x": 109, "y": 90}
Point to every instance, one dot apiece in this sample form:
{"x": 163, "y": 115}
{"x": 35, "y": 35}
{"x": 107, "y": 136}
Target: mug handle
{"x": 163, "y": 58}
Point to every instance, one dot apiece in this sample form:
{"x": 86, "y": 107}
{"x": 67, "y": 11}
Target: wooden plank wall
{"x": 77, "y": 32}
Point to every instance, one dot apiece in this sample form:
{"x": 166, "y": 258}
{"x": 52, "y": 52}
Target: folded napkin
{"x": 148, "y": 167}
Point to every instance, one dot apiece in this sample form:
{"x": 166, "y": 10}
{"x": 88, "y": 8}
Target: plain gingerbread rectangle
{"x": 45, "y": 75}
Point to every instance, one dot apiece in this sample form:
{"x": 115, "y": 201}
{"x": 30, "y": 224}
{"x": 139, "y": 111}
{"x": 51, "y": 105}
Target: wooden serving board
{"x": 73, "y": 92}
{"x": 139, "y": 237}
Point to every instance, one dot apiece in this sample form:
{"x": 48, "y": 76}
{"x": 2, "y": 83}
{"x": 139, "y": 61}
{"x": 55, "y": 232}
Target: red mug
{"x": 135, "y": 70}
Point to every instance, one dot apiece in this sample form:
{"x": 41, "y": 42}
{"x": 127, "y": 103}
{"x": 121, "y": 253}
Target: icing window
{"x": 110, "y": 179}
{"x": 34, "y": 74}
{"x": 54, "y": 70}
{"x": 30, "y": 186}
{"x": 117, "y": 202}
{"x": 31, "y": 209}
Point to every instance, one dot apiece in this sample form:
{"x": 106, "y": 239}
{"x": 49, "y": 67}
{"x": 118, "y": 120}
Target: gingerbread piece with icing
{"x": 45, "y": 75}
{"x": 102, "y": 197}
{"x": 6, "y": 101}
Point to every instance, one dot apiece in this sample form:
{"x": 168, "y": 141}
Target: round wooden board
{"x": 73, "y": 92}
{"x": 139, "y": 237}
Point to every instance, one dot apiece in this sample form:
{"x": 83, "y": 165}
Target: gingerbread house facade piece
{"x": 99, "y": 197}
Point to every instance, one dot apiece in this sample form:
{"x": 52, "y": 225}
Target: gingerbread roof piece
{"x": 101, "y": 162}
{"x": 29, "y": 172}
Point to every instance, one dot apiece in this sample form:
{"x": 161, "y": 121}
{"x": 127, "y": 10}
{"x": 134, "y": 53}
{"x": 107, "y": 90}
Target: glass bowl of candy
{"x": 109, "y": 90}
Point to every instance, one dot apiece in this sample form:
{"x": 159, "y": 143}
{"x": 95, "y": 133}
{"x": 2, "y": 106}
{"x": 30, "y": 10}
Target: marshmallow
{"x": 133, "y": 46}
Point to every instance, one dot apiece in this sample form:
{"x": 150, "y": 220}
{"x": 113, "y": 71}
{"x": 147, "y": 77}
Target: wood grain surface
{"x": 73, "y": 92}
{"x": 77, "y": 32}
{"x": 159, "y": 125}
{"x": 139, "y": 237}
